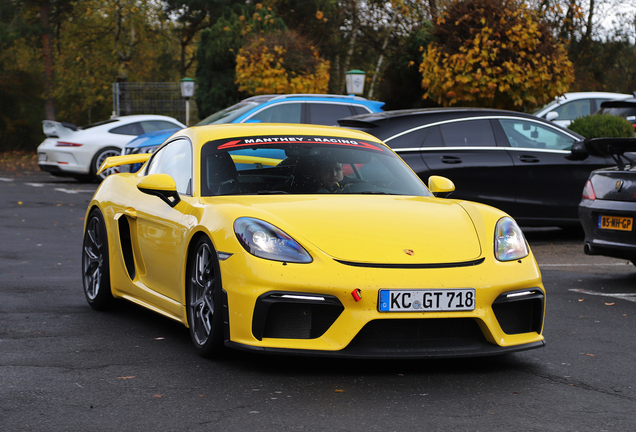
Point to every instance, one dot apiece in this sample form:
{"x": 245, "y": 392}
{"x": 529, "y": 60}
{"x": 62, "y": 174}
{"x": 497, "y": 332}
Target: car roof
{"x": 582, "y": 95}
{"x": 130, "y": 119}
{"x": 383, "y": 124}
{"x": 370, "y": 120}
{"x": 350, "y": 99}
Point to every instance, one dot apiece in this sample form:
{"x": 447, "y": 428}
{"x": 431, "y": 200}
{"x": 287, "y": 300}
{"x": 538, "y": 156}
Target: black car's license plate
{"x": 619, "y": 223}
{"x": 427, "y": 300}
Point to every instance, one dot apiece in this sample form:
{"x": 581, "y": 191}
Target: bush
{"x": 602, "y": 125}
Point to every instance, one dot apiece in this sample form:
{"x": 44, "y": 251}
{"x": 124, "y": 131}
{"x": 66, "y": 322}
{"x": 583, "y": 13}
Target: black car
{"x": 608, "y": 207}
{"x": 623, "y": 108}
{"x": 519, "y": 163}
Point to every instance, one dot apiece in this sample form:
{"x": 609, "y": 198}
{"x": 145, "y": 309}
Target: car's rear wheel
{"x": 99, "y": 159}
{"x": 95, "y": 265}
{"x": 204, "y": 300}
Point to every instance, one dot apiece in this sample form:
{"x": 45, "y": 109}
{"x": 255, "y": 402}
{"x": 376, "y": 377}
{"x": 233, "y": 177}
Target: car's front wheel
{"x": 204, "y": 300}
{"x": 95, "y": 265}
{"x": 99, "y": 159}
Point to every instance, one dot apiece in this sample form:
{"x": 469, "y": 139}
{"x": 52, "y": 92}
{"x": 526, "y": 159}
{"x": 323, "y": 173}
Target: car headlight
{"x": 510, "y": 243}
{"x": 264, "y": 240}
{"x": 138, "y": 150}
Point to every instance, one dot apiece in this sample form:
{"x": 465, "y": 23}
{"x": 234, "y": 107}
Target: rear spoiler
{"x": 610, "y": 146}
{"x": 613, "y": 147}
{"x": 114, "y": 161}
{"x": 53, "y": 129}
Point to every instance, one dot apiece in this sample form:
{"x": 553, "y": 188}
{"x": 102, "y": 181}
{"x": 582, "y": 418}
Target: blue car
{"x": 293, "y": 108}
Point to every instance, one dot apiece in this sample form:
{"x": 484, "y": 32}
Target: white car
{"x": 563, "y": 109}
{"x": 70, "y": 151}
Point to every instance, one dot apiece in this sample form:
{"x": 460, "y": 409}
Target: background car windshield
{"x": 304, "y": 165}
{"x": 227, "y": 115}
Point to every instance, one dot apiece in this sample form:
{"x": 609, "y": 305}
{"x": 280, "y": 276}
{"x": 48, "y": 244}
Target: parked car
{"x": 608, "y": 207}
{"x": 563, "y": 109}
{"x": 513, "y": 161}
{"x": 625, "y": 108}
{"x": 334, "y": 249}
{"x": 71, "y": 151}
{"x": 292, "y": 108}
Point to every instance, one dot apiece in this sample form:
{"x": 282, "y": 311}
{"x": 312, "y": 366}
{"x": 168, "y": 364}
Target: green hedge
{"x": 602, "y": 125}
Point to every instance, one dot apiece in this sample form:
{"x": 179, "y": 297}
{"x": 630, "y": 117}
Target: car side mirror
{"x": 578, "y": 152}
{"x": 440, "y": 186}
{"x": 552, "y": 115}
{"x": 160, "y": 185}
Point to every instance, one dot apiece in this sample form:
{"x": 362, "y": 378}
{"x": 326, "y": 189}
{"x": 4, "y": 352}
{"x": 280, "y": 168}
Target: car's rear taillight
{"x": 588, "y": 191}
{"x": 67, "y": 144}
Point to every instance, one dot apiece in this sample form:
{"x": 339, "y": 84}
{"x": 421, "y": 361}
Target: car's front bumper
{"x": 355, "y": 328}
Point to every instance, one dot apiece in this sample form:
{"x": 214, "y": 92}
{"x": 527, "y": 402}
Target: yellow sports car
{"x": 309, "y": 240}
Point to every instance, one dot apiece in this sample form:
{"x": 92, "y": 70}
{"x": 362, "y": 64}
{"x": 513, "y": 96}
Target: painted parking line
{"x": 35, "y": 184}
{"x": 6, "y": 179}
{"x": 74, "y": 191}
{"x": 628, "y": 297}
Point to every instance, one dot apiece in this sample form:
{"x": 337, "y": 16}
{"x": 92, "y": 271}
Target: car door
{"x": 158, "y": 228}
{"x": 466, "y": 152}
{"x": 549, "y": 182}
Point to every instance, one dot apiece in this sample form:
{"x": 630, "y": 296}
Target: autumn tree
{"x": 281, "y": 62}
{"x": 190, "y": 17}
{"x": 494, "y": 53}
{"x": 216, "y": 65}
{"x": 401, "y": 81}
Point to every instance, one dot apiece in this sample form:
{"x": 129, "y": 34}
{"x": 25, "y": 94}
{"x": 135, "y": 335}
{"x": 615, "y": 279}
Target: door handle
{"x": 529, "y": 159}
{"x": 131, "y": 213}
{"x": 451, "y": 160}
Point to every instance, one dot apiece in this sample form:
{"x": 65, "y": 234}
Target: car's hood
{"x": 372, "y": 229}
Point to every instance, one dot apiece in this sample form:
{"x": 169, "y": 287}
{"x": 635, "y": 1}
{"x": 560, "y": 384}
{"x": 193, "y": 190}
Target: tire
{"x": 95, "y": 264}
{"x": 99, "y": 158}
{"x": 204, "y": 300}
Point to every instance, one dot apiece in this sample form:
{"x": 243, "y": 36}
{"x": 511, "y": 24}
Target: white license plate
{"x": 41, "y": 157}
{"x": 429, "y": 300}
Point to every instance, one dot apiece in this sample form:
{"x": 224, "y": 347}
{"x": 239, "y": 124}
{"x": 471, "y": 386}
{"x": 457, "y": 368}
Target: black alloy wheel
{"x": 95, "y": 265}
{"x": 204, "y": 300}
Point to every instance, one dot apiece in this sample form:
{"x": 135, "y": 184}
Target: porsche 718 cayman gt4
{"x": 305, "y": 240}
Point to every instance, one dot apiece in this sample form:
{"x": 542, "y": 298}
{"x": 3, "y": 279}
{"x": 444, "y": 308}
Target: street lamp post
{"x": 187, "y": 91}
{"x": 355, "y": 81}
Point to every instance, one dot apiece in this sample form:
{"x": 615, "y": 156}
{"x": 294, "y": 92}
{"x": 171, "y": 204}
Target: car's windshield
{"x": 304, "y": 165}
{"x": 548, "y": 105}
{"x": 229, "y": 114}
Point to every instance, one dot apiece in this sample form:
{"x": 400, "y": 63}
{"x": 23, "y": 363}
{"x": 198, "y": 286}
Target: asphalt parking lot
{"x": 65, "y": 367}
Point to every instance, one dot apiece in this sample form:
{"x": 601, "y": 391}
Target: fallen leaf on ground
{"x": 128, "y": 377}
{"x": 590, "y": 355}
{"x": 609, "y": 304}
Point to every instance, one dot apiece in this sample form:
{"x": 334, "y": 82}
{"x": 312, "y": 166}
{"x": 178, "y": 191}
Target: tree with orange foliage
{"x": 494, "y": 53}
{"x": 280, "y": 62}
